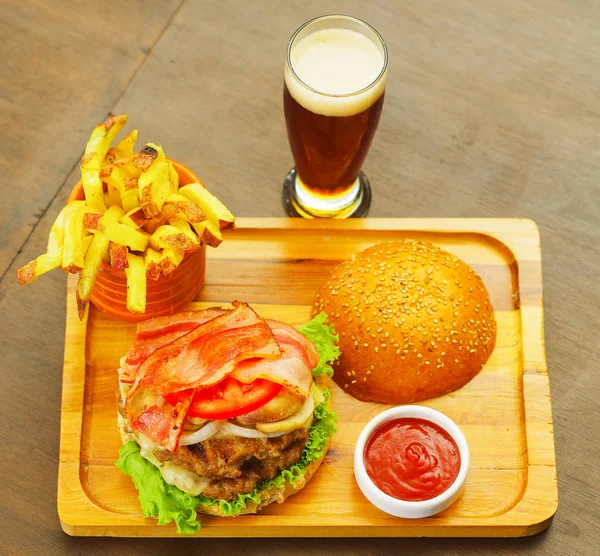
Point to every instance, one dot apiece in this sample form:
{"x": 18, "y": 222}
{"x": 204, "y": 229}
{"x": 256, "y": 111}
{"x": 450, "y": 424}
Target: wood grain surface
{"x": 504, "y": 411}
{"x": 492, "y": 110}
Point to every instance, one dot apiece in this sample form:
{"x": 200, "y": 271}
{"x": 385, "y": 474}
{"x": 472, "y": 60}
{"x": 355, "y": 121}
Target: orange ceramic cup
{"x": 163, "y": 296}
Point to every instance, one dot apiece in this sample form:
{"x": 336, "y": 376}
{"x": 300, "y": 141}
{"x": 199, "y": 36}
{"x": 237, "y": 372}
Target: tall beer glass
{"x": 335, "y": 75}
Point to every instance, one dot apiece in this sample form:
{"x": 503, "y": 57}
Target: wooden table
{"x": 492, "y": 109}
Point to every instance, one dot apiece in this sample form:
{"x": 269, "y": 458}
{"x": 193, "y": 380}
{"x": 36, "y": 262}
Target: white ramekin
{"x": 403, "y": 508}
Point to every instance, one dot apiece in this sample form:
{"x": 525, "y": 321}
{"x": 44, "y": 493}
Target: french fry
{"x": 151, "y": 263}
{"x": 154, "y": 187}
{"x": 184, "y": 227}
{"x": 93, "y": 259}
{"x": 124, "y": 148}
{"x": 178, "y": 205}
{"x": 52, "y": 258}
{"x": 135, "y": 218}
{"x": 118, "y": 255}
{"x": 129, "y": 195}
{"x": 167, "y": 236}
{"x": 91, "y": 163}
{"x": 136, "y": 240}
{"x": 111, "y": 216}
{"x": 44, "y": 263}
{"x": 110, "y": 227}
{"x": 73, "y": 254}
{"x": 209, "y": 233}
{"x": 120, "y": 170}
{"x": 114, "y": 196}
{"x": 209, "y": 205}
{"x": 126, "y": 164}
{"x": 120, "y": 179}
{"x": 162, "y": 262}
{"x": 86, "y": 242}
{"x": 136, "y": 284}
{"x": 152, "y": 224}
{"x": 123, "y": 169}
{"x": 170, "y": 259}
{"x": 173, "y": 178}
{"x": 56, "y": 237}
{"x": 90, "y": 220}
{"x": 147, "y": 156}
{"x": 109, "y": 158}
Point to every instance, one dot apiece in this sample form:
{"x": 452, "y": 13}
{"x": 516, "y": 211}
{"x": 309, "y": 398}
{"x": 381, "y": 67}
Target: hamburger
{"x": 222, "y": 412}
{"x": 414, "y": 322}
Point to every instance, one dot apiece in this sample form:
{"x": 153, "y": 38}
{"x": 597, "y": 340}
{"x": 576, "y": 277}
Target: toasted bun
{"x": 414, "y": 321}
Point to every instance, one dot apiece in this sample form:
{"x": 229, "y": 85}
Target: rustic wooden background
{"x": 492, "y": 109}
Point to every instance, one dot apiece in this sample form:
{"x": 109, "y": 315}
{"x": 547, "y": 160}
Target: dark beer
{"x": 329, "y": 151}
{"x": 333, "y": 95}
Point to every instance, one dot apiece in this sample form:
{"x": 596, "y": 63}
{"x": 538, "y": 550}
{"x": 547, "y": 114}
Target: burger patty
{"x": 238, "y": 464}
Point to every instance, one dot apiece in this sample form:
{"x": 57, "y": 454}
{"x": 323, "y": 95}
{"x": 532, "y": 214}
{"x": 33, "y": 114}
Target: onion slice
{"x": 188, "y": 438}
{"x": 292, "y": 422}
{"x": 248, "y": 433}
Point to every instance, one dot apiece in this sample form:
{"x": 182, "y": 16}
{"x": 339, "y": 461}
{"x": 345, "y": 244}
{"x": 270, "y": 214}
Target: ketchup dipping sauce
{"x": 412, "y": 459}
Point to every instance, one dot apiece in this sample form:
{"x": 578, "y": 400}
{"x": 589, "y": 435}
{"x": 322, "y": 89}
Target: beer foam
{"x": 335, "y": 62}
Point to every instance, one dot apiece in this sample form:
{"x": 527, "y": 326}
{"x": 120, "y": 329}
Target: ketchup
{"x": 412, "y": 459}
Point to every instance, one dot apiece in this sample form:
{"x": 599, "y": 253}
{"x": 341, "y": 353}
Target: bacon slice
{"x": 293, "y": 369}
{"x": 163, "y": 425}
{"x": 208, "y": 353}
{"x": 199, "y": 349}
{"x": 282, "y": 330}
{"x": 155, "y": 333}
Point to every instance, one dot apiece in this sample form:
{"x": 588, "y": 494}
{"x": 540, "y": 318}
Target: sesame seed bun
{"x": 414, "y": 321}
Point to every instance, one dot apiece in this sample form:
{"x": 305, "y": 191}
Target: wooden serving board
{"x": 277, "y": 265}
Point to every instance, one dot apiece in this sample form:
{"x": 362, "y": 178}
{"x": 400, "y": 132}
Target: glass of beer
{"x": 335, "y": 75}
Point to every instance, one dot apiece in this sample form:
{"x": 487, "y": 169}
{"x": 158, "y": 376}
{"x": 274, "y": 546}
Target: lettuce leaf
{"x": 325, "y": 339}
{"x": 157, "y": 498}
{"x": 168, "y": 503}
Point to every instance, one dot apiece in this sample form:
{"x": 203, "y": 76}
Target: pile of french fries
{"x": 135, "y": 217}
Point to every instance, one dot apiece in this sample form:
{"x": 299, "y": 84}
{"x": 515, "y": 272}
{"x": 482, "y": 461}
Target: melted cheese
{"x": 176, "y": 475}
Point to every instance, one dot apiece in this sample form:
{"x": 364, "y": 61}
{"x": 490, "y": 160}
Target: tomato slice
{"x": 229, "y": 398}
